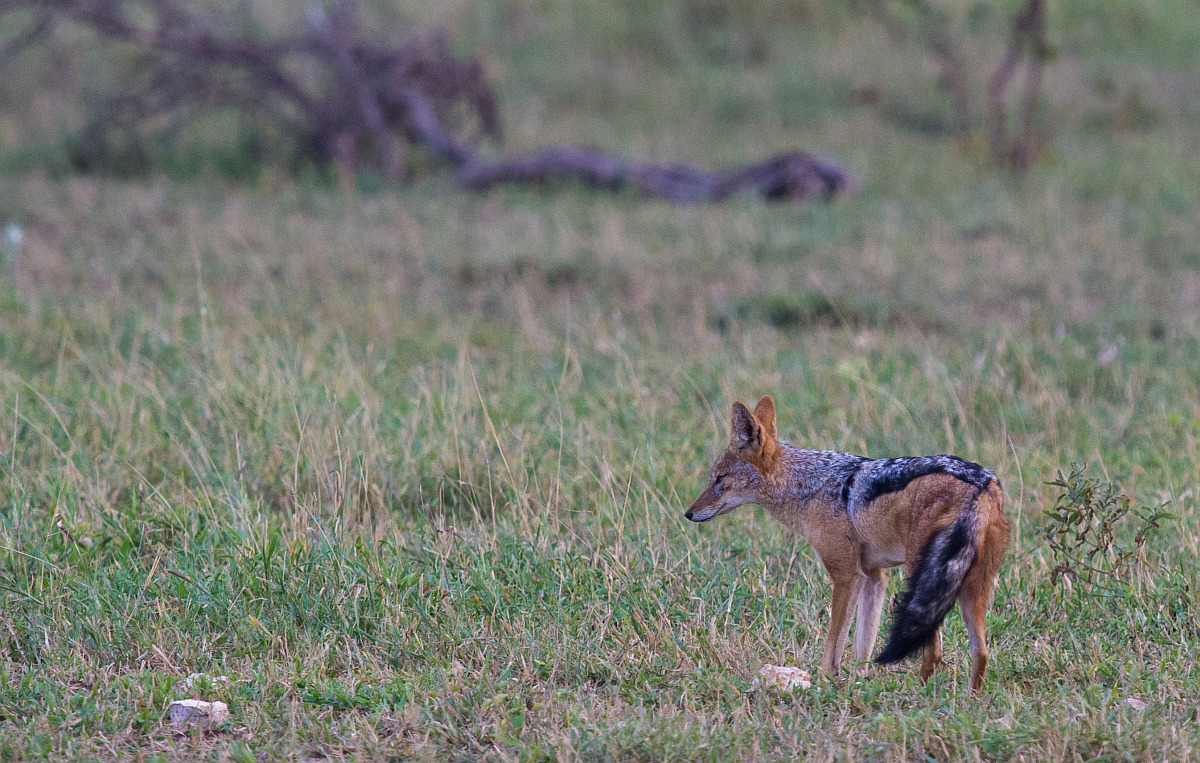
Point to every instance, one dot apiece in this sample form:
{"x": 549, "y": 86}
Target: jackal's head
{"x": 740, "y": 475}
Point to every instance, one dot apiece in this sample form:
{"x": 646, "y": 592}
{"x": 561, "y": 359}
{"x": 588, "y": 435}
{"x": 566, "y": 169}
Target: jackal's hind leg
{"x": 974, "y": 603}
{"x": 870, "y": 610}
{"x": 931, "y": 656}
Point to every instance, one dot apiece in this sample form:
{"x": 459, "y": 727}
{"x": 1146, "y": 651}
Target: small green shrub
{"x": 1089, "y": 528}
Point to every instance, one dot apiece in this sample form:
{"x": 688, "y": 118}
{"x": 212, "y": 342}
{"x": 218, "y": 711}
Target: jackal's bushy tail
{"x": 934, "y": 585}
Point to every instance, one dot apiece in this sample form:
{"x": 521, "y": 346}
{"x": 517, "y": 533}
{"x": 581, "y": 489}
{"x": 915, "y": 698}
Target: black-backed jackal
{"x": 939, "y": 516}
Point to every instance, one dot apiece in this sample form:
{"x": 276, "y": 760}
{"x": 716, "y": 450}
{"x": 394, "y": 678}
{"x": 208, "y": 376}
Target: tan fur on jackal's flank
{"x": 939, "y": 516}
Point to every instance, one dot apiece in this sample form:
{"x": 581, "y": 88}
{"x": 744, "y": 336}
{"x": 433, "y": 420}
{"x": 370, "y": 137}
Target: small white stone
{"x": 13, "y": 235}
{"x": 782, "y": 677}
{"x": 1136, "y": 703}
{"x": 197, "y": 712}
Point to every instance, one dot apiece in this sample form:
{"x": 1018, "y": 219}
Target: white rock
{"x": 197, "y": 712}
{"x": 782, "y": 677}
{"x": 13, "y": 235}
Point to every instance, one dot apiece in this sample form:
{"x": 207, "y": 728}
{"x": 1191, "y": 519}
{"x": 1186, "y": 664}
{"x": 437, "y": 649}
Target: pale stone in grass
{"x": 198, "y": 712}
{"x": 782, "y": 677}
{"x": 13, "y": 235}
{"x": 1137, "y": 703}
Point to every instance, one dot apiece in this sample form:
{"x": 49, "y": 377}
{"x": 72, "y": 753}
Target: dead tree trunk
{"x": 1008, "y": 146}
{"x": 1028, "y": 40}
{"x": 367, "y": 101}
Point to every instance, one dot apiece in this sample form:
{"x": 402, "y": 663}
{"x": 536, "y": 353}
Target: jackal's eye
{"x": 717, "y": 482}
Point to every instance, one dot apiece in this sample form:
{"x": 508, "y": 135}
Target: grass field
{"x": 408, "y": 466}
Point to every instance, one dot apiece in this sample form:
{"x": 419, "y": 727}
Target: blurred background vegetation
{"x": 719, "y": 83}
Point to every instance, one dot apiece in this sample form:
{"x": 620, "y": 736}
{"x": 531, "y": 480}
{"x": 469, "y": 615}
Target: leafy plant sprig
{"x": 1086, "y": 527}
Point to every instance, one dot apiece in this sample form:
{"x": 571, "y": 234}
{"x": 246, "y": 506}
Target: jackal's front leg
{"x": 845, "y": 596}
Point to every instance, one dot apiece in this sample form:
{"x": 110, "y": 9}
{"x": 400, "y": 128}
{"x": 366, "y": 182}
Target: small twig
{"x": 181, "y": 576}
{"x": 63, "y": 528}
{"x": 36, "y": 30}
{"x": 167, "y": 660}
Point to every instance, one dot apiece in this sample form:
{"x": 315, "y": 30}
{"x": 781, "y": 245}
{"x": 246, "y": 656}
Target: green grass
{"x": 409, "y": 467}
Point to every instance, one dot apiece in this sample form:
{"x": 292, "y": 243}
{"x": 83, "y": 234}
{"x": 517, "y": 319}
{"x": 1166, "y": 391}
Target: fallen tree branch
{"x": 342, "y": 98}
{"x": 794, "y": 175}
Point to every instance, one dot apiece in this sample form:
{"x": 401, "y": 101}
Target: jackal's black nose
{"x": 687, "y": 514}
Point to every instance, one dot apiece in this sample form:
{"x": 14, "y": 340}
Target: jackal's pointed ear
{"x": 765, "y": 413}
{"x": 745, "y": 431}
